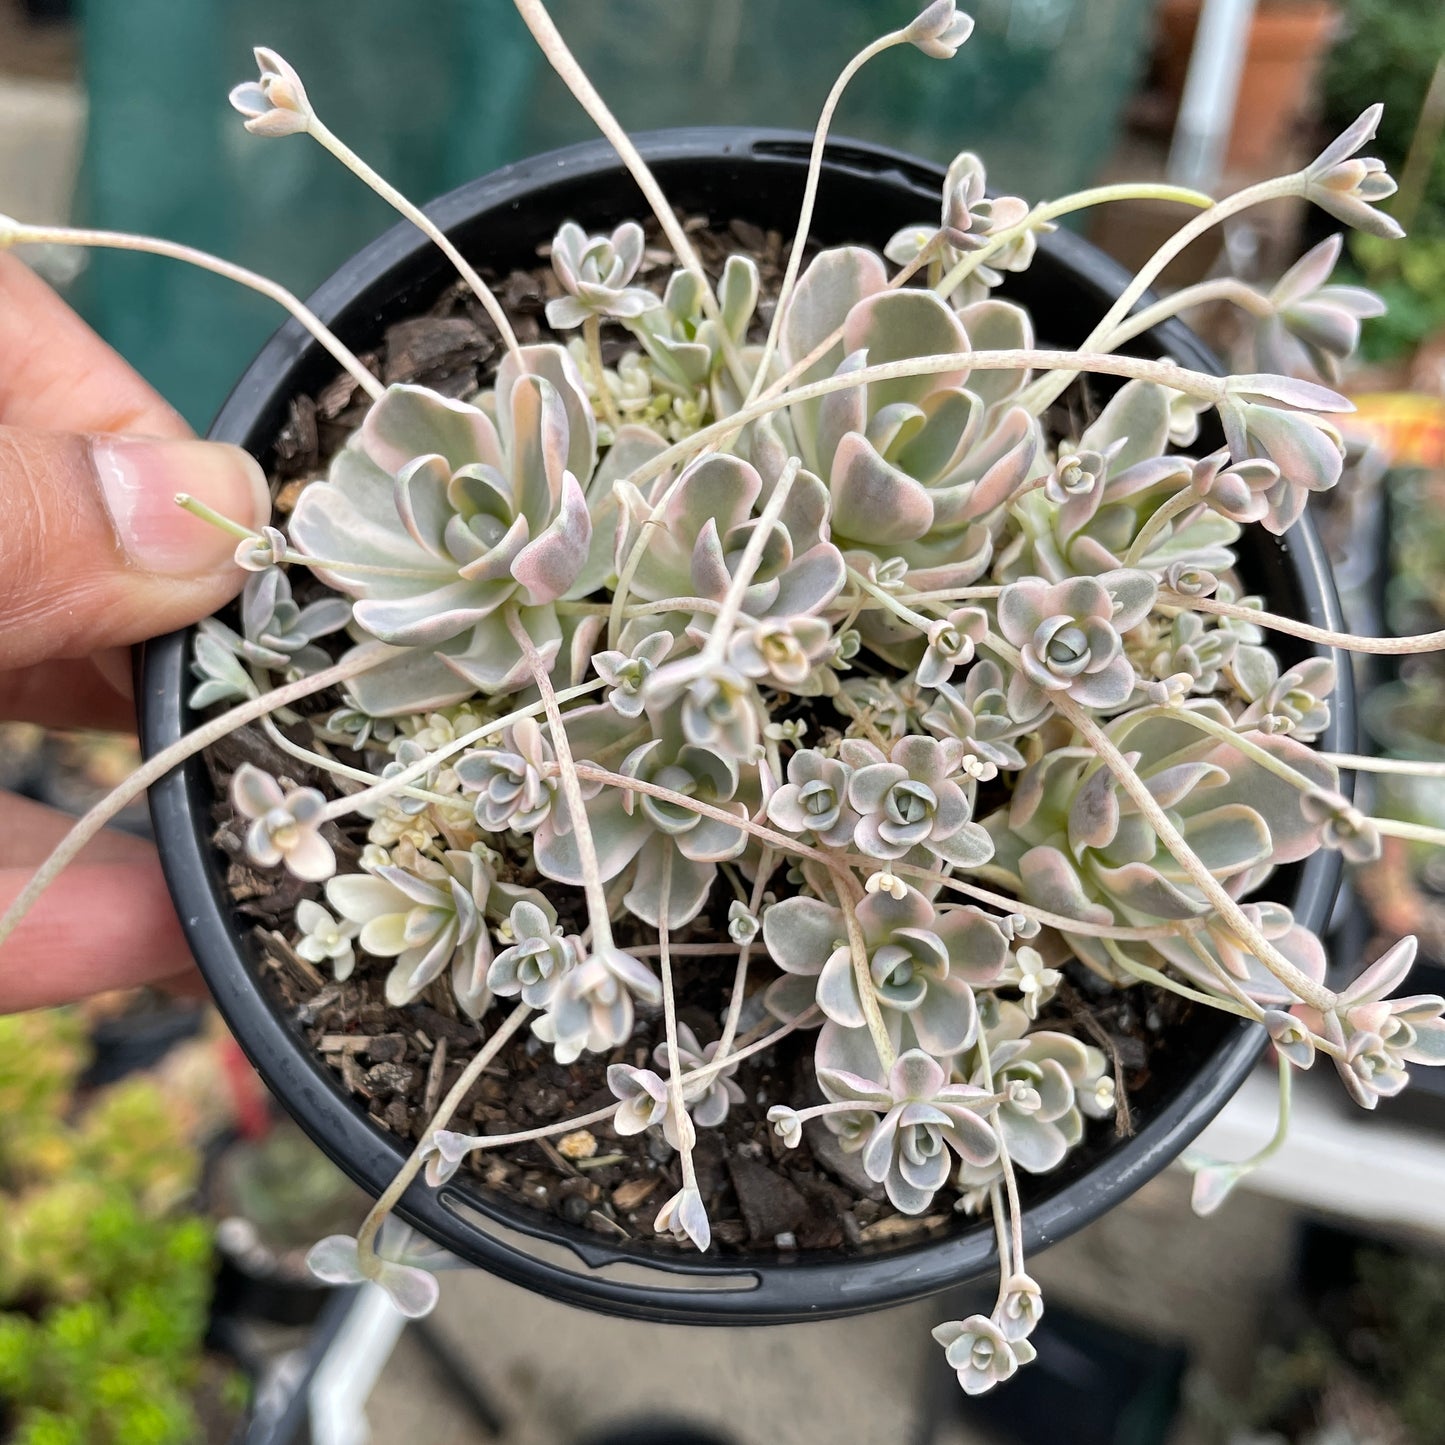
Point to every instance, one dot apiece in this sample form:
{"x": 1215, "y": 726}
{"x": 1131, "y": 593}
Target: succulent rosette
{"x": 436, "y": 519}
{"x": 924, "y": 963}
{"x": 913, "y": 466}
{"x": 1068, "y": 637}
{"x": 638, "y": 831}
{"x": 1050, "y": 1082}
{"x": 594, "y": 272}
{"x": 911, "y": 803}
{"x": 706, "y": 523}
{"x": 1312, "y": 327}
{"x": 926, "y": 1125}
{"x": 1073, "y": 842}
{"x": 428, "y": 914}
{"x": 1102, "y": 492}
{"x": 741, "y": 664}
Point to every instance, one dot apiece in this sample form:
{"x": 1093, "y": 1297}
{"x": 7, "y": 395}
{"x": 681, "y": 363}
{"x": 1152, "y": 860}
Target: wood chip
{"x": 278, "y": 946}
{"x": 435, "y": 1070}
{"x": 564, "y": 1165}
{"x": 343, "y": 1043}
{"x": 332, "y": 400}
{"x": 417, "y": 346}
{"x": 626, "y": 1197}
{"x": 901, "y": 1226}
{"x": 600, "y": 1222}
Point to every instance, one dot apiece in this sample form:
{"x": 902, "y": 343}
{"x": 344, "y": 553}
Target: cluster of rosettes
{"x": 856, "y": 643}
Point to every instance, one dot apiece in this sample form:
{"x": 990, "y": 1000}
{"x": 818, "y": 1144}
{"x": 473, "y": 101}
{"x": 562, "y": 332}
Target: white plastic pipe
{"x": 1206, "y": 113}
{"x": 347, "y": 1375}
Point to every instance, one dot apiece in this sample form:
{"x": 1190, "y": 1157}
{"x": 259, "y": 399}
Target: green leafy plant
{"x": 596, "y": 610}
{"x": 1403, "y": 65}
{"x": 105, "y": 1278}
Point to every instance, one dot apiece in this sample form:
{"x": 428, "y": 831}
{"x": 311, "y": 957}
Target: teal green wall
{"x": 434, "y": 92}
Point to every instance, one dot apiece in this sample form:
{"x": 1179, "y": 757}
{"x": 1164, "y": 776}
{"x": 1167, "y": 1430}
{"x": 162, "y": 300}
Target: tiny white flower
{"x": 885, "y": 882}
{"x": 324, "y": 938}
{"x": 275, "y": 103}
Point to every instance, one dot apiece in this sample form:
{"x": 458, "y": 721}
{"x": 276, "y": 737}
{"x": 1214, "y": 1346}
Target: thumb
{"x": 95, "y": 552}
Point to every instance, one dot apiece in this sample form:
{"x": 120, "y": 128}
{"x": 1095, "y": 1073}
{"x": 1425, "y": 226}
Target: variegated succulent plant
{"x": 802, "y": 635}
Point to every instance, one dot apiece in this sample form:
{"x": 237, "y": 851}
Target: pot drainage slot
{"x": 601, "y": 1263}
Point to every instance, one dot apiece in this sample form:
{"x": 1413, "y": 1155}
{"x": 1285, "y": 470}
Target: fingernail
{"x": 139, "y": 479}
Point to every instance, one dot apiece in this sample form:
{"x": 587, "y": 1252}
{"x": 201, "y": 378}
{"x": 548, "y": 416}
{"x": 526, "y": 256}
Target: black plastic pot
{"x": 866, "y": 195}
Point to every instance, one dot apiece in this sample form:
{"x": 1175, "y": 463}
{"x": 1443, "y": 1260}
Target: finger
{"x": 96, "y": 554}
{"x": 70, "y": 694}
{"x": 187, "y": 985}
{"x": 99, "y": 926}
{"x": 30, "y": 830}
{"x": 56, "y": 372}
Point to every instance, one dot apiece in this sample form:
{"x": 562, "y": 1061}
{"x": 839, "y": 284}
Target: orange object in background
{"x": 1409, "y": 426}
{"x": 1288, "y": 40}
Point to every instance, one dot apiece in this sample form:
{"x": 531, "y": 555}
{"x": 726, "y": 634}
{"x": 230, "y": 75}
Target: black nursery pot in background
{"x": 754, "y": 175}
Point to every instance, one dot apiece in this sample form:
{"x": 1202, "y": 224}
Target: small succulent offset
{"x": 285, "y": 824}
{"x": 797, "y": 639}
{"x": 925, "y": 1125}
{"x": 594, "y": 272}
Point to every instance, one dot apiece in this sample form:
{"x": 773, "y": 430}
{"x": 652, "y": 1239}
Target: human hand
{"x": 94, "y": 556}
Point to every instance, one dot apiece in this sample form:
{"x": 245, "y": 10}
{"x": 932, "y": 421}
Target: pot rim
{"x": 526, "y": 1246}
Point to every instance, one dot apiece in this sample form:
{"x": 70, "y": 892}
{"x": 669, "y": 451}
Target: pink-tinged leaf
{"x": 1383, "y": 976}
{"x": 422, "y": 503}
{"x": 639, "y": 979}
{"x": 1291, "y": 391}
{"x": 413, "y": 421}
{"x": 1133, "y": 592}
{"x": 831, "y": 285}
{"x": 873, "y": 501}
{"x": 916, "y": 1075}
{"x": 801, "y": 933}
{"x": 414, "y": 1291}
{"x": 1360, "y": 130}
{"x": 1107, "y": 688}
{"x": 1306, "y": 455}
{"x": 548, "y": 565}
{"x": 1094, "y": 814}
{"x": 427, "y": 618}
{"x": 838, "y": 991}
{"x": 1050, "y": 882}
{"x": 1140, "y": 888}
{"x": 905, "y": 325}
{"x": 411, "y": 682}
{"x": 253, "y": 792}
{"x": 1019, "y": 434}
{"x": 1213, "y": 1183}
{"x": 553, "y": 363}
{"x": 1021, "y": 608}
{"x": 537, "y": 444}
{"x": 311, "y": 858}
{"x": 936, "y": 452}
{"x": 1138, "y": 418}
{"x": 447, "y": 1150}
{"x": 1309, "y": 273}
{"x": 840, "y": 412}
{"x": 1429, "y": 1046}
{"x": 334, "y": 1260}
{"x": 994, "y": 325}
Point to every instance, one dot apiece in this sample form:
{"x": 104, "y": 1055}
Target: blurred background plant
{"x": 1394, "y": 51}
{"x": 105, "y": 1267}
